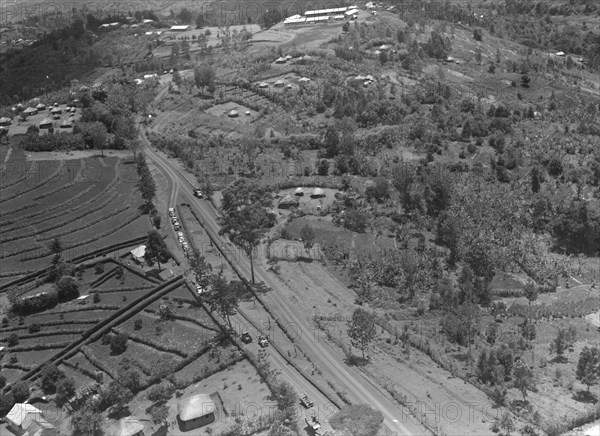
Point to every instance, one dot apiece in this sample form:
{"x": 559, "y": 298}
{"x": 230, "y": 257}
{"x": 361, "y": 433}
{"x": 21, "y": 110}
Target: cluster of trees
{"x": 146, "y": 184}
{"x": 53, "y": 380}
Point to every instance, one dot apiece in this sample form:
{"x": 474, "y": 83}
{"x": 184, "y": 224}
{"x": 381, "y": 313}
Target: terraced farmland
{"x": 88, "y": 203}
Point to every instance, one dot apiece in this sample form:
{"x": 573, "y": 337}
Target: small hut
{"x": 287, "y": 202}
{"x": 56, "y": 110}
{"x": 46, "y": 123}
{"x": 248, "y": 113}
{"x": 195, "y": 411}
{"x": 233, "y": 113}
{"x": 279, "y": 83}
{"x": 280, "y": 60}
{"x": 66, "y": 124}
{"x": 263, "y": 85}
{"x": 128, "y": 426}
{"x": 30, "y": 111}
{"x": 40, "y": 106}
{"x": 304, "y": 79}
{"x": 317, "y": 193}
{"x": 5, "y": 121}
{"x": 288, "y": 57}
{"x": 299, "y": 192}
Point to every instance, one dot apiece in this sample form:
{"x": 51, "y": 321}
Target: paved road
{"x": 179, "y": 189}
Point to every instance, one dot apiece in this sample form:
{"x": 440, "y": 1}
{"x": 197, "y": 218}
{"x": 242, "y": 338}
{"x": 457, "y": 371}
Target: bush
{"x": 20, "y": 391}
{"x": 99, "y": 268}
{"x": 34, "y": 328}
{"x": 96, "y": 298}
{"x": 118, "y": 344}
{"x": 13, "y": 340}
{"x": 67, "y": 288}
{"x": 50, "y": 376}
{"x": 137, "y": 324}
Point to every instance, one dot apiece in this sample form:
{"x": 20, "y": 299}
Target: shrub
{"x": 67, "y": 288}
{"x": 34, "y": 328}
{"x": 96, "y": 297}
{"x": 99, "y": 268}
{"x": 20, "y": 391}
{"x": 13, "y": 340}
{"x": 137, "y": 324}
{"x": 50, "y": 376}
{"x": 118, "y": 344}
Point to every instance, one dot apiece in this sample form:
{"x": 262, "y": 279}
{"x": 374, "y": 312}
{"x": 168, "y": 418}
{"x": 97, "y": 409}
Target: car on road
{"x": 177, "y": 227}
{"x": 180, "y": 234}
{"x": 246, "y": 338}
{"x": 263, "y": 342}
{"x": 181, "y": 239}
{"x": 174, "y": 220}
{"x": 171, "y": 212}
{"x": 198, "y": 193}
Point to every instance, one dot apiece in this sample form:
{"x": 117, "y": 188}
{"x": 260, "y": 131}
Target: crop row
{"x": 38, "y": 347}
{"x": 79, "y": 243}
{"x": 51, "y": 333}
{"x": 76, "y": 367}
{"x": 123, "y": 289}
{"x": 32, "y": 169}
{"x": 72, "y": 218}
{"x": 53, "y": 323}
{"x": 140, "y": 339}
{"x": 44, "y": 210}
{"x": 562, "y": 309}
{"x": 17, "y": 366}
{"x": 188, "y": 319}
{"x": 78, "y": 177}
{"x": 54, "y": 175}
{"x": 97, "y": 363}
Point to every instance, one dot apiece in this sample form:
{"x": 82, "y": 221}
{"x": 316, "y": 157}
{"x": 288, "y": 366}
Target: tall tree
{"x": 531, "y": 293}
{"x": 307, "y": 234}
{"x": 246, "y": 227}
{"x": 361, "y": 329}
{"x": 224, "y": 297}
{"x": 204, "y": 77}
{"x": 588, "y": 366}
{"x": 524, "y": 379}
{"x": 156, "y": 249}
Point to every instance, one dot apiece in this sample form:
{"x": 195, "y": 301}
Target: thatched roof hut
{"x": 299, "y": 191}
{"x": 280, "y": 60}
{"x": 30, "y": 111}
{"x": 318, "y": 192}
{"x": 66, "y": 124}
{"x": 40, "y": 106}
{"x": 128, "y": 426}
{"x": 196, "y": 411}
{"x": 263, "y": 85}
{"x": 287, "y": 202}
{"x": 279, "y": 83}
{"x": 46, "y": 123}
{"x": 5, "y": 121}
{"x": 233, "y": 113}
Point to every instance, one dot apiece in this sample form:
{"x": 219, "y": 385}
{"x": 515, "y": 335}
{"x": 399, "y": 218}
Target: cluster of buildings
{"x": 323, "y": 15}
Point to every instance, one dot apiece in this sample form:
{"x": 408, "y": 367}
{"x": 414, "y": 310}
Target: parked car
{"x": 177, "y": 227}
{"x": 171, "y": 212}
{"x": 246, "y": 338}
{"x": 174, "y": 219}
{"x": 181, "y": 239}
{"x": 180, "y": 234}
{"x": 198, "y": 193}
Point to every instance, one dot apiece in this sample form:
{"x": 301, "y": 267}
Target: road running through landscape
{"x": 397, "y": 419}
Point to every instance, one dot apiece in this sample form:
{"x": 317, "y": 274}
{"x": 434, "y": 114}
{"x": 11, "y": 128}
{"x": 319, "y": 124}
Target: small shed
{"x": 287, "y": 202}
{"x": 46, "y": 123}
{"x": 66, "y": 124}
{"x": 248, "y": 113}
{"x": 288, "y": 57}
{"x": 5, "y": 121}
{"x": 263, "y": 85}
{"x": 233, "y": 113}
{"x": 280, "y": 60}
{"x": 299, "y": 191}
{"x": 138, "y": 253}
{"x": 196, "y": 411}
{"x": 304, "y": 79}
{"x": 279, "y": 83}
{"x": 318, "y": 192}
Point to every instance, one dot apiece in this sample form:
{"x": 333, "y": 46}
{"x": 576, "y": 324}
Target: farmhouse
{"x": 196, "y": 411}
{"x": 25, "y": 419}
{"x": 179, "y": 28}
